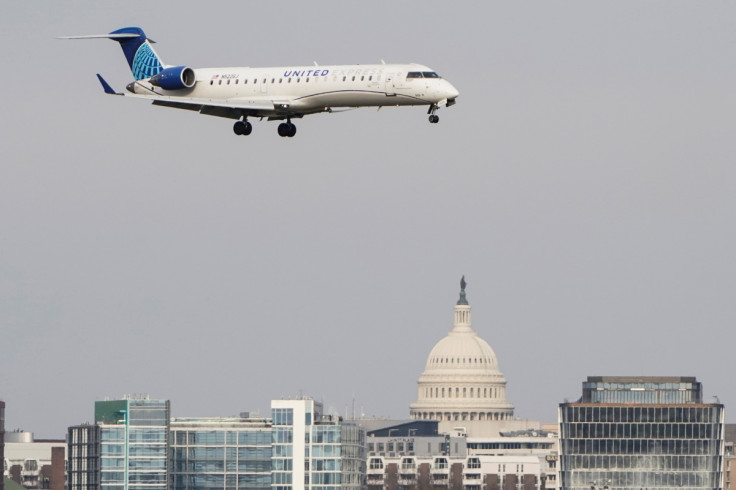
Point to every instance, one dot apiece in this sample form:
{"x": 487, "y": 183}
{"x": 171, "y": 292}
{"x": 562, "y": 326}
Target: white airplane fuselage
{"x": 310, "y": 89}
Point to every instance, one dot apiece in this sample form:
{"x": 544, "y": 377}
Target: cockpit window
{"x": 430, "y": 74}
{"x": 414, "y": 74}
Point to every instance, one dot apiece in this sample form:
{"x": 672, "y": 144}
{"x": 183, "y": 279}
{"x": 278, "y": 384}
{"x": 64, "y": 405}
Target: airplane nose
{"x": 452, "y": 92}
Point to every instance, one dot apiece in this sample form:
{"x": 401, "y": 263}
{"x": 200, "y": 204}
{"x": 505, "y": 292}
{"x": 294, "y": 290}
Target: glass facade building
{"x": 220, "y": 453}
{"x": 315, "y": 451}
{"x": 135, "y": 445}
{"x": 641, "y": 433}
{"x": 126, "y": 449}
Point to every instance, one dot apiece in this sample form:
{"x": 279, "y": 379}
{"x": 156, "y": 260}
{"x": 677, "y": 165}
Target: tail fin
{"x": 142, "y": 59}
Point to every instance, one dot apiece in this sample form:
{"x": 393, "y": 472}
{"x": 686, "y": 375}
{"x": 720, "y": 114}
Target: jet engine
{"x": 174, "y": 78}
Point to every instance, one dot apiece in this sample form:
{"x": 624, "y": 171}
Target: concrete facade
{"x": 30, "y": 461}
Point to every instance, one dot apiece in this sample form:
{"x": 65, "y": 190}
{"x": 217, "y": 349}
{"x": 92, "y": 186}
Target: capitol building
{"x": 462, "y": 386}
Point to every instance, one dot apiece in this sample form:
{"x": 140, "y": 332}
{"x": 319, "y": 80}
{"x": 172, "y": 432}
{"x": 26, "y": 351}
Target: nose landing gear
{"x": 433, "y": 118}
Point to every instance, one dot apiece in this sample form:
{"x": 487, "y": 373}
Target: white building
{"x": 30, "y": 456}
{"x": 462, "y": 385}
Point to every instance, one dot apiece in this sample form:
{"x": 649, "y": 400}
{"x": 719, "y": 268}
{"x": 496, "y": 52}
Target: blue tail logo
{"x": 143, "y": 60}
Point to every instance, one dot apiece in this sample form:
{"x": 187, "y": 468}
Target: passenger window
{"x": 264, "y": 80}
{"x": 236, "y": 81}
{"x": 362, "y": 78}
{"x": 298, "y": 80}
{"x": 307, "y": 80}
{"x": 255, "y": 80}
{"x": 228, "y": 82}
{"x": 289, "y": 79}
{"x": 273, "y": 80}
{"x": 353, "y": 77}
{"x": 245, "y": 81}
{"x": 370, "y": 78}
{"x": 344, "y": 78}
{"x": 212, "y": 82}
{"x": 219, "y": 83}
{"x": 281, "y": 80}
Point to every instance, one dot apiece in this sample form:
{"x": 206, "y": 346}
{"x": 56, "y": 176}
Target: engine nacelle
{"x": 174, "y": 78}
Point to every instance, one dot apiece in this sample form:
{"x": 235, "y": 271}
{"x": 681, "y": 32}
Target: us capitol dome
{"x": 462, "y": 385}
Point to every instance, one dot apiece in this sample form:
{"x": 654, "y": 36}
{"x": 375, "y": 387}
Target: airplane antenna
{"x": 383, "y": 62}
{"x": 315, "y": 64}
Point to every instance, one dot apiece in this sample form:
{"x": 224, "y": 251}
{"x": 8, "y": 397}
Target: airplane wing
{"x": 234, "y": 108}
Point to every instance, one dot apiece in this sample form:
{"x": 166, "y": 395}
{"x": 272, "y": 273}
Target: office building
{"x": 641, "y": 433}
{"x": 314, "y": 451}
{"x": 220, "y": 453}
{"x": 125, "y": 449}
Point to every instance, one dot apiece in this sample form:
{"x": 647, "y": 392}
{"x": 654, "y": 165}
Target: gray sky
{"x": 584, "y": 184}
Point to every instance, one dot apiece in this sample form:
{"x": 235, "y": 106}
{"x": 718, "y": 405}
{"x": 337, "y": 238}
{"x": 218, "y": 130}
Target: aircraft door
{"x": 390, "y": 83}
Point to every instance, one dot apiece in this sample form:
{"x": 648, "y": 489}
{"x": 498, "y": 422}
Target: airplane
{"x": 276, "y": 93}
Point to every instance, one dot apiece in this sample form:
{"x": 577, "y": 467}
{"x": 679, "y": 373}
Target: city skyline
{"x": 583, "y": 183}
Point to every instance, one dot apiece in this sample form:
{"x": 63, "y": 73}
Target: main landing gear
{"x": 243, "y": 128}
{"x": 287, "y": 129}
{"x": 433, "y": 118}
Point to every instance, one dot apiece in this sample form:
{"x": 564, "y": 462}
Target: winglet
{"x": 106, "y": 86}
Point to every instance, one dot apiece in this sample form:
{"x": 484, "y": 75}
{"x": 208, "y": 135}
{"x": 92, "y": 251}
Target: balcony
{"x": 407, "y": 480}
{"x": 375, "y": 479}
{"x": 472, "y": 480}
{"x": 440, "y": 479}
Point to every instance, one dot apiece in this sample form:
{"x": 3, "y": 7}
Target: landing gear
{"x": 287, "y": 129}
{"x": 433, "y": 118}
{"x": 243, "y": 128}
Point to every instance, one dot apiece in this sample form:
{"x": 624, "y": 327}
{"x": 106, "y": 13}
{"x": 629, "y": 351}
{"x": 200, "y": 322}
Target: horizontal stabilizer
{"x": 102, "y": 36}
{"x": 106, "y": 86}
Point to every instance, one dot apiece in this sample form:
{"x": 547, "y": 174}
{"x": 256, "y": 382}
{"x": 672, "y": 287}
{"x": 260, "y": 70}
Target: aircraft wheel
{"x": 248, "y": 128}
{"x": 283, "y": 130}
{"x": 434, "y": 119}
{"x": 292, "y": 130}
{"x": 239, "y": 128}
